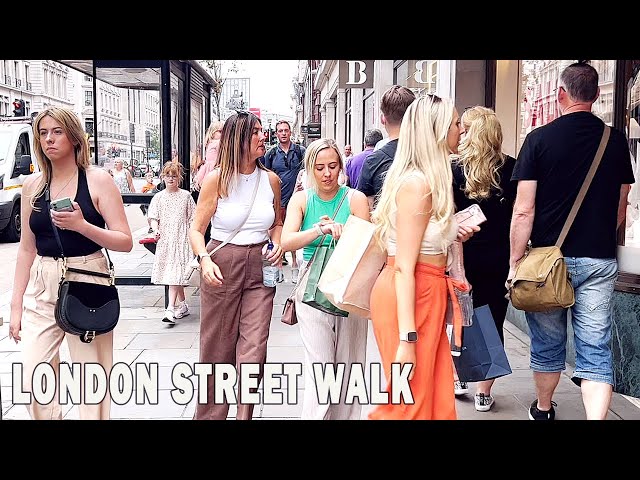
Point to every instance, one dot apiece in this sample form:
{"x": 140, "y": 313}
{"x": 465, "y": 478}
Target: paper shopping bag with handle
{"x": 482, "y": 356}
{"x": 349, "y": 275}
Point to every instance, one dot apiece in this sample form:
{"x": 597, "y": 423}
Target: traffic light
{"x": 18, "y": 108}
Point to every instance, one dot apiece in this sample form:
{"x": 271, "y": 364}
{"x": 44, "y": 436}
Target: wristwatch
{"x": 411, "y": 337}
{"x": 201, "y": 256}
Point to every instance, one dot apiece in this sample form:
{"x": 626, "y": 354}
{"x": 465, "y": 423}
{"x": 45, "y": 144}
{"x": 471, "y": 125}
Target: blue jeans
{"x": 593, "y": 281}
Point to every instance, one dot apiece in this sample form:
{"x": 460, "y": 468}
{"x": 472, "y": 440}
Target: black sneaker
{"x": 535, "y": 414}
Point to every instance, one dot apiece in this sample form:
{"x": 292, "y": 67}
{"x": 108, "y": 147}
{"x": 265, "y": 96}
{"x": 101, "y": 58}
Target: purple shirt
{"x": 354, "y": 166}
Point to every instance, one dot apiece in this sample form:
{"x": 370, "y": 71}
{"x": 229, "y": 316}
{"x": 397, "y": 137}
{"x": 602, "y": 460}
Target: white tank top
{"x": 431, "y": 240}
{"x": 232, "y": 209}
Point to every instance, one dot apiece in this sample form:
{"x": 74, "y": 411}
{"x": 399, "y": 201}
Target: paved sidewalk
{"x": 141, "y": 337}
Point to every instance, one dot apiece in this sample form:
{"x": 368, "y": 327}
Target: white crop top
{"x": 232, "y": 209}
{"x": 431, "y": 240}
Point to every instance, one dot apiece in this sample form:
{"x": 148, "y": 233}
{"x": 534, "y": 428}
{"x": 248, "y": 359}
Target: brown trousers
{"x": 234, "y": 320}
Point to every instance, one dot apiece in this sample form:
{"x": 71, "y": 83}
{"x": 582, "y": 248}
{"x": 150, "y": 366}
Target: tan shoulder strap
{"x": 585, "y": 187}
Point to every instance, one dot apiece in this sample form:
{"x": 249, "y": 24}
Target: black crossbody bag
{"x": 83, "y": 308}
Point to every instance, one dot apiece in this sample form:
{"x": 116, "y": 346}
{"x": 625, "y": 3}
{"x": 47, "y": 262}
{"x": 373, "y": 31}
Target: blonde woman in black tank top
{"x": 62, "y": 153}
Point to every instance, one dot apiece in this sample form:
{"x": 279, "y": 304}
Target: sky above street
{"x": 271, "y": 83}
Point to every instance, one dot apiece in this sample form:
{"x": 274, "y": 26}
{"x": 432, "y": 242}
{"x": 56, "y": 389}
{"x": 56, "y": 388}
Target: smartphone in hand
{"x": 62, "y": 205}
{"x": 471, "y": 216}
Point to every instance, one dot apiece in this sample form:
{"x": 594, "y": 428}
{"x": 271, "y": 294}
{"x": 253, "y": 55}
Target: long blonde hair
{"x": 211, "y": 131}
{"x": 480, "y": 152}
{"x": 74, "y": 131}
{"x": 422, "y": 151}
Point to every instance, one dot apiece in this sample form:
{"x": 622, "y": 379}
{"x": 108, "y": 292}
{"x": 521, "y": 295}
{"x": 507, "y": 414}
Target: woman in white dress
{"x": 122, "y": 177}
{"x": 170, "y": 215}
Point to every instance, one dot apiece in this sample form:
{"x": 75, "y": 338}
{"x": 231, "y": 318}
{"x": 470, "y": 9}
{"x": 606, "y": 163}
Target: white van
{"x": 16, "y": 162}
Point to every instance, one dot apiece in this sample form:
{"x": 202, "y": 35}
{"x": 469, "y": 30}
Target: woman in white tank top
{"x": 235, "y": 305}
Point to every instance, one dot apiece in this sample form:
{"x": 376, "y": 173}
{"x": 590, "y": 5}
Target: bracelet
{"x": 318, "y": 228}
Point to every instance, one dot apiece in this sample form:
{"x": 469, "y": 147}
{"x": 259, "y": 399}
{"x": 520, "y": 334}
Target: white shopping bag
{"x": 349, "y": 275}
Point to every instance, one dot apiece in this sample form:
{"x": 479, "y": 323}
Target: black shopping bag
{"x": 483, "y": 356}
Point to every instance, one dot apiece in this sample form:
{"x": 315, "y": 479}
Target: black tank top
{"x": 73, "y": 243}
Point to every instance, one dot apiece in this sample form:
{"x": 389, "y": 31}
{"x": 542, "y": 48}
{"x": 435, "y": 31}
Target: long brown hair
{"x": 76, "y": 135}
{"x": 235, "y": 144}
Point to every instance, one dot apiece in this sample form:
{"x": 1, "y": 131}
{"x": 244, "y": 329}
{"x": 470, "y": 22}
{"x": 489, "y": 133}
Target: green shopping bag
{"x": 312, "y": 295}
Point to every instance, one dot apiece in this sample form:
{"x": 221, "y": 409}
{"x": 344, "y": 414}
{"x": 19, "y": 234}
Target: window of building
{"x": 347, "y": 117}
{"x": 368, "y": 110}
{"x": 421, "y": 76}
{"x": 88, "y": 98}
{"x": 539, "y": 80}
{"x": 632, "y": 230}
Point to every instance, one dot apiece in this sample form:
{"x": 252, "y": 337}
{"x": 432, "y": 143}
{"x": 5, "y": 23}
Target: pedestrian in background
{"x": 97, "y": 221}
{"x": 212, "y": 142}
{"x": 482, "y": 176}
{"x": 347, "y": 152}
{"x": 286, "y": 160}
{"x": 327, "y": 339}
{"x": 149, "y": 187}
{"x": 122, "y": 177}
{"x": 551, "y": 168}
{"x": 415, "y": 224}
{"x": 393, "y": 104}
{"x": 170, "y": 214}
{"x": 235, "y": 305}
{"x": 355, "y": 163}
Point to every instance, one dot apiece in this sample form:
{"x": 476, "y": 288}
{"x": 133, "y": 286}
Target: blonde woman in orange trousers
{"x": 415, "y": 223}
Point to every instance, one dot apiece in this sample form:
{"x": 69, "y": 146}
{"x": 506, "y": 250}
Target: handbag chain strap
{"x": 65, "y": 269}
{"x": 585, "y": 186}
{"x": 308, "y": 265}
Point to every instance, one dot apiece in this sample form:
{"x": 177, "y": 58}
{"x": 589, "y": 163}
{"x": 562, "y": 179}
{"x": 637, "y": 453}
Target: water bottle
{"x": 270, "y": 273}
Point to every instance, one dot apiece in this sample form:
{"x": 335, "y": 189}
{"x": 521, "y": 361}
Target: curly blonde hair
{"x": 480, "y": 152}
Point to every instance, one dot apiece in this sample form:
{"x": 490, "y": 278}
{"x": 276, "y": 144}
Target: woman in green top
{"x": 328, "y": 340}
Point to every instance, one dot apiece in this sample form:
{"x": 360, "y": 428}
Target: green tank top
{"x": 316, "y": 207}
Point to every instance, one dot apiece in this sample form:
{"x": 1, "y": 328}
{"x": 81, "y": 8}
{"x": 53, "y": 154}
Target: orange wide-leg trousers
{"x": 432, "y": 383}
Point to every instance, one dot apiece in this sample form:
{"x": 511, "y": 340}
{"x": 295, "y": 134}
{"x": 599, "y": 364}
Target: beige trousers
{"x": 329, "y": 340}
{"x": 42, "y": 337}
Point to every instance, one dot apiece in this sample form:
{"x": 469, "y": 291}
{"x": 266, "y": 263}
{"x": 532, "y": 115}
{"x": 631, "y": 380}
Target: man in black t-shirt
{"x": 393, "y": 104}
{"x": 551, "y": 167}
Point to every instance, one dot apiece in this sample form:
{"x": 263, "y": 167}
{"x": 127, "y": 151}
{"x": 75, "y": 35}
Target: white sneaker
{"x": 460, "y": 388}
{"x": 483, "y": 402}
{"x": 182, "y": 311}
{"x": 168, "y": 316}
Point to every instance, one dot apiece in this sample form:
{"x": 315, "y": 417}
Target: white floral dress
{"x": 174, "y": 212}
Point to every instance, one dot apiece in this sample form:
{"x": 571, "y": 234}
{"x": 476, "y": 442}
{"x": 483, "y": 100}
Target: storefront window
{"x": 368, "y": 110}
{"x": 539, "y": 104}
{"x": 195, "y": 139}
{"x": 421, "y": 76}
{"x": 632, "y": 232}
{"x": 177, "y": 86}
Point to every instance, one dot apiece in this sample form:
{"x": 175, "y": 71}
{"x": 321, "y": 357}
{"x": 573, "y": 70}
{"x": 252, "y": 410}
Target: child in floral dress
{"x": 170, "y": 215}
